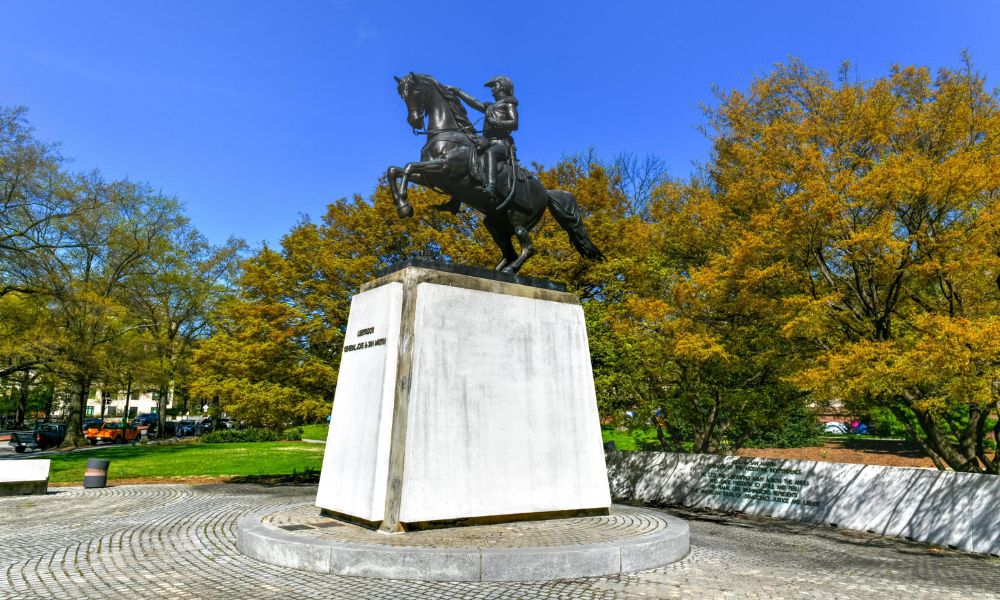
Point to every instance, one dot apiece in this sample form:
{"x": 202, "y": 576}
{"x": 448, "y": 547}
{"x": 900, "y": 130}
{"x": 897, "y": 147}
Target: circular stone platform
{"x": 629, "y": 539}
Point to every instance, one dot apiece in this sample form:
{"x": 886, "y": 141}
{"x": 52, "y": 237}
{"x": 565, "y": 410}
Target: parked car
{"x": 92, "y": 424}
{"x": 169, "y": 426}
{"x": 836, "y": 428}
{"x": 206, "y": 425}
{"x": 43, "y": 437}
{"x": 145, "y": 420}
{"x": 184, "y": 428}
{"x": 113, "y": 433}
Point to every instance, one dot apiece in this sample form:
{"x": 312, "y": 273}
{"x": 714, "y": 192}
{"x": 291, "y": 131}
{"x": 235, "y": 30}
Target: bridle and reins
{"x": 423, "y": 111}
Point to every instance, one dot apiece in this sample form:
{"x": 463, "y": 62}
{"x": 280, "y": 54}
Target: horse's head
{"x": 411, "y": 91}
{"x": 425, "y": 97}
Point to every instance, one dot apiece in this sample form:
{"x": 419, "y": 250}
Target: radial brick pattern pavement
{"x": 624, "y": 522}
{"x": 178, "y": 541}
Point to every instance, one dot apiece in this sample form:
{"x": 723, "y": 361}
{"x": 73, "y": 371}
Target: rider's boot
{"x": 491, "y": 175}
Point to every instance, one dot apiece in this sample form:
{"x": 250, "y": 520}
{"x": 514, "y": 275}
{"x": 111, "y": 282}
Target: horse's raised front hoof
{"x": 405, "y": 211}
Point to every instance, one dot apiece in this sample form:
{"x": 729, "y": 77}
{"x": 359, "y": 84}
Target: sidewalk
{"x": 112, "y": 542}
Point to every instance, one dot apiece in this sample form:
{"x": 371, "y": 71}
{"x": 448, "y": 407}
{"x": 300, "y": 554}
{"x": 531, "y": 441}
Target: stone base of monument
{"x": 464, "y": 444}
{"x": 627, "y": 539}
{"x": 464, "y": 397}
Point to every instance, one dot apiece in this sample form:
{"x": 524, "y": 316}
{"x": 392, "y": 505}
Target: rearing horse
{"x": 444, "y": 166}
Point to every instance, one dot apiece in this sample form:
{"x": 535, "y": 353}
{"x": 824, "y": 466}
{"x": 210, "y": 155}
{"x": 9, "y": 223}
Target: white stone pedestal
{"x": 463, "y": 400}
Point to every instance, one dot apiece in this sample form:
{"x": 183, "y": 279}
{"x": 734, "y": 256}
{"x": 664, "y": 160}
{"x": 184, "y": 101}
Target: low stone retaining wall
{"x": 960, "y": 510}
{"x": 24, "y": 477}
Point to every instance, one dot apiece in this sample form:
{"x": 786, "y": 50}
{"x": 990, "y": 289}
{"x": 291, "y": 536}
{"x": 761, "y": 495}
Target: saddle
{"x": 477, "y": 162}
{"x": 477, "y": 169}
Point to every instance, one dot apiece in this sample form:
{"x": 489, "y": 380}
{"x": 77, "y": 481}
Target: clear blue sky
{"x": 253, "y": 113}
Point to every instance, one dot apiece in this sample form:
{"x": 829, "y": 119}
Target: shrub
{"x": 796, "y": 434}
{"x": 227, "y": 436}
{"x": 796, "y": 429}
{"x": 885, "y": 424}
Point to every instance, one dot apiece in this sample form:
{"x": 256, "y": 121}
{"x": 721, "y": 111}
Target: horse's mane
{"x": 457, "y": 108}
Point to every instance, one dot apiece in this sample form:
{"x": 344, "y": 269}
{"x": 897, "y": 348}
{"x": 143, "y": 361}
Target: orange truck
{"x": 112, "y": 433}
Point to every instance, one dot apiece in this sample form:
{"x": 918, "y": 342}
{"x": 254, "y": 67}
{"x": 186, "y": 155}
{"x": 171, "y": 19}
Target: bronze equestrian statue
{"x": 512, "y": 200}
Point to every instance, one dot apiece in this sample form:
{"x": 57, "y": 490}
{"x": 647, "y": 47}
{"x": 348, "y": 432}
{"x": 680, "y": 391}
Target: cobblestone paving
{"x": 178, "y": 541}
{"x": 624, "y": 522}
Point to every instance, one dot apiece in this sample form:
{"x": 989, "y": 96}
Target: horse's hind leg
{"x": 501, "y": 236}
{"x": 527, "y": 248}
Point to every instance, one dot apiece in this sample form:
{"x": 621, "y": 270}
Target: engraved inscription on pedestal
{"x": 356, "y": 458}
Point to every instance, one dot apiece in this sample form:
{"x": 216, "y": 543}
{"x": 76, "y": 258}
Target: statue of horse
{"x": 446, "y": 166}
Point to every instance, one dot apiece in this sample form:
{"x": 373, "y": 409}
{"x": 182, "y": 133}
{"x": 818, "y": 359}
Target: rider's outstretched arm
{"x": 469, "y": 99}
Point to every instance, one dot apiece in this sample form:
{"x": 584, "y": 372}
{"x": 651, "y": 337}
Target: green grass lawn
{"x": 623, "y": 440}
{"x": 193, "y": 460}
{"x": 317, "y": 431}
{"x": 626, "y": 440}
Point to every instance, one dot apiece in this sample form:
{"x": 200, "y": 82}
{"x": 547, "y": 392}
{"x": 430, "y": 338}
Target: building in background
{"x": 140, "y": 403}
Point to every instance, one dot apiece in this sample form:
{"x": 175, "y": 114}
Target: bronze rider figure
{"x": 500, "y": 120}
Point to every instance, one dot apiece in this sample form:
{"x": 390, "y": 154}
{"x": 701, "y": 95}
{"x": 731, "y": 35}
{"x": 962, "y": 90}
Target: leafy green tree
{"x": 188, "y": 280}
{"x": 32, "y": 199}
{"x": 86, "y": 282}
{"x": 33, "y": 204}
{"x": 100, "y": 282}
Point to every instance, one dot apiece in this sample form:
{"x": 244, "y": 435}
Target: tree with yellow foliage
{"x": 277, "y": 347}
{"x": 860, "y": 220}
{"x": 707, "y": 363}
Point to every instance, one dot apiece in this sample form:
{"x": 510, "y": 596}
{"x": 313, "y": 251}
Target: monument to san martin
{"x": 465, "y": 395}
{"x": 465, "y": 442}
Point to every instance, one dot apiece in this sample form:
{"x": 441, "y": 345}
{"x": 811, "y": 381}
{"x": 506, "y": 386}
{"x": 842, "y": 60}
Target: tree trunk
{"x": 22, "y": 401}
{"x": 705, "y": 433}
{"x": 77, "y": 409}
{"x": 945, "y": 448}
{"x": 128, "y": 397}
{"x": 958, "y": 453}
{"x": 215, "y": 416}
{"x": 659, "y": 437}
{"x": 915, "y": 435}
{"x": 50, "y": 401}
{"x": 161, "y": 413}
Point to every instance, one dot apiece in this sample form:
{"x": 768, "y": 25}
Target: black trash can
{"x": 96, "y": 475}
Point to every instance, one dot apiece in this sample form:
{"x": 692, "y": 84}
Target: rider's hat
{"x": 504, "y": 82}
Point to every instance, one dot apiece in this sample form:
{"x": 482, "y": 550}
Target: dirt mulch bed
{"x": 890, "y": 453}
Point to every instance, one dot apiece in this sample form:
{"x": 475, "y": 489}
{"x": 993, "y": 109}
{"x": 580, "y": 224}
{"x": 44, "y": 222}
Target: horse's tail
{"x": 565, "y": 209}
